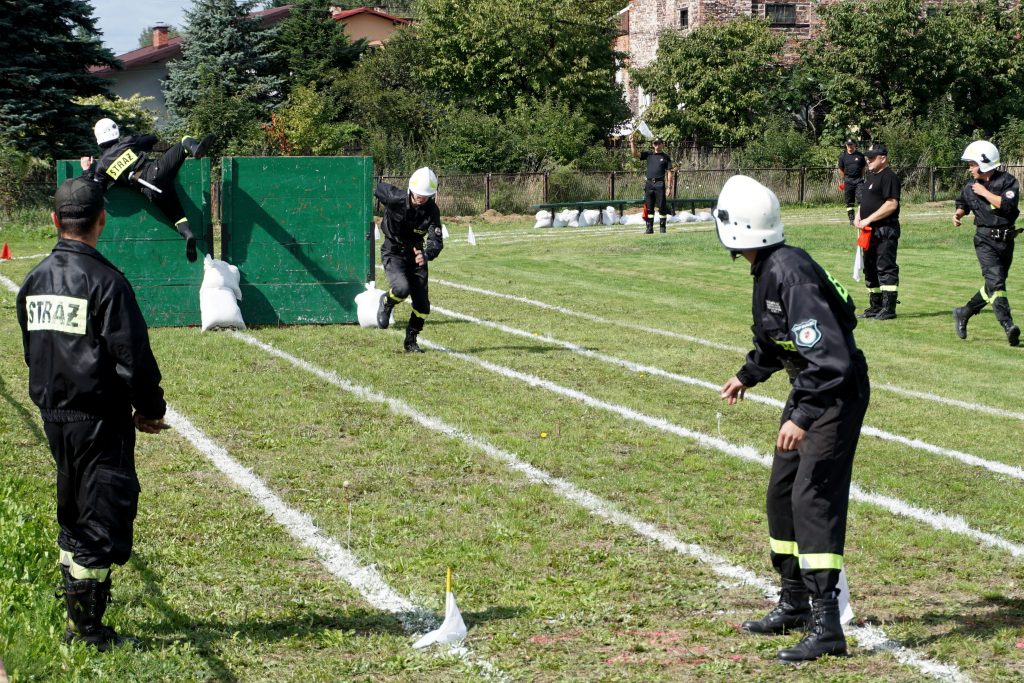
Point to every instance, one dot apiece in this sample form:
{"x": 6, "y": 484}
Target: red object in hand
{"x": 864, "y": 238}
{"x": 842, "y": 186}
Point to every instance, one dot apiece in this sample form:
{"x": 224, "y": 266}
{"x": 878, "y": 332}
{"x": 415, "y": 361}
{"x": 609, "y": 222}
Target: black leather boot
{"x": 86, "y": 602}
{"x": 384, "y": 311}
{"x": 410, "y": 341}
{"x": 197, "y": 148}
{"x": 661, "y": 225}
{"x": 874, "y": 305}
{"x": 825, "y": 636}
{"x": 961, "y": 315}
{"x": 888, "y": 311}
{"x": 183, "y": 229}
{"x": 792, "y": 612}
{"x": 650, "y": 227}
{"x": 1012, "y": 332}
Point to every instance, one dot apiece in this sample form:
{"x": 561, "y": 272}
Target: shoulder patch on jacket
{"x": 807, "y": 333}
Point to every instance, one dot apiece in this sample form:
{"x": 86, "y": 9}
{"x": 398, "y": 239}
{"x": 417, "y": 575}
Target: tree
{"x": 48, "y": 46}
{"x": 226, "y": 48}
{"x": 146, "y": 37}
{"x": 488, "y": 54}
{"x": 715, "y": 83}
{"x": 315, "y": 47}
{"x": 308, "y": 124}
{"x": 131, "y": 113}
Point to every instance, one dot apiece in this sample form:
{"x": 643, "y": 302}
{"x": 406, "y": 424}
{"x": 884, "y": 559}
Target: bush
{"x": 779, "y": 145}
{"x": 130, "y": 114}
{"x": 26, "y": 182}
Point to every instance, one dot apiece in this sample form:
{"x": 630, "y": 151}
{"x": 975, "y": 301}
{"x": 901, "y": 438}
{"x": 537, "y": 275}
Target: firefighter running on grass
{"x": 993, "y": 196}
{"x": 803, "y": 323}
{"x": 412, "y": 237}
{"x": 123, "y": 161}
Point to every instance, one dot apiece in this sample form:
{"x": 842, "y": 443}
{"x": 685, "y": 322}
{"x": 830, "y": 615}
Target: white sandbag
{"x": 675, "y": 218}
{"x": 571, "y": 218}
{"x": 633, "y": 219}
{"x": 217, "y": 273}
{"x": 687, "y": 217}
{"x": 609, "y": 216}
{"x": 589, "y": 217}
{"x": 563, "y": 217}
{"x": 219, "y": 295}
{"x": 543, "y": 219}
{"x": 705, "y": 216}
{"x": 367, "y": 303}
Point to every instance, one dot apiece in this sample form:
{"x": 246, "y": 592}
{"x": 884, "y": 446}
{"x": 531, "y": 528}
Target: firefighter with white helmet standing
{"x": 124, "y": 160}
{"x": 803, "y": 323}
{"x": 993, "y": 196}
{"x": 412, "y": 236}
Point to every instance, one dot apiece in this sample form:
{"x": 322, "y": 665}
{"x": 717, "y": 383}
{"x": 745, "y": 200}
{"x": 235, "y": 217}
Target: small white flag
{"x": 470, "y": 237}
{"x": 858, "y": 263}
{"x": 645, "y": 130}
{"x": 444, "y": 231}
{"x": 845, "y": 609}
{"x": 453, "y": 628}
{"x": 376, "y": 232}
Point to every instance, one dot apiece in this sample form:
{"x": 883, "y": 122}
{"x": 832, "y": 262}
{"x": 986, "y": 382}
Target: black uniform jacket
{"x": 985, "y": 215}
{"x": 406, "y": 225}
{"x": 120, "y": 160}
{"x": 85, "y": 340}
{"x": 852, "y": 165}
{"x": 803, "y": 322}
{"x": 658, "y": 164}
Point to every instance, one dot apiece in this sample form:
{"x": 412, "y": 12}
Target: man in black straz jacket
{"x": 803, "y": 323}
{"x": 412, "y": 236}
{"x": 993, "y": 196}
{"x": 123, "y": 161}
{"x": 90, "y": 364}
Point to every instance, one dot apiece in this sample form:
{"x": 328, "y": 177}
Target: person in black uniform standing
{"x": 412, "y": 236}
{"x": 803, "y": 323}
{"x": 880, "y": 210}
{"x": 123, "y": 161}
{"x": 851, "y": 172}
{"x": 659, "y": 182}
{"x": 993, "y": 196}
{"x": 87, "y": 349}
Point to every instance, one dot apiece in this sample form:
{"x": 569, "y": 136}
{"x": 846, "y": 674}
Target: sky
{"x": 121, "y": 21}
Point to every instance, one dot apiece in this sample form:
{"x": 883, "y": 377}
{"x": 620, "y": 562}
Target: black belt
{"x": 656, "y": 180}
{"x": 999, "y": 234}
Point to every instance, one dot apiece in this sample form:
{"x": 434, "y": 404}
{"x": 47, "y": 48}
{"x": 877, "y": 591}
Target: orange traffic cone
{"x": 5, "y": 253}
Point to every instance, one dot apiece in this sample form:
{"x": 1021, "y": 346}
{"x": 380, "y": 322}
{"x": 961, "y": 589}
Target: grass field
{"x": 562, "y": 447}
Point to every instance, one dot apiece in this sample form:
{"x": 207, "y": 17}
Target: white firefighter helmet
{"x": 747, "y": 215}
{"x": 423, "y": 182}
{"x": 106, "y": 131}
{"x": 984, "y": 153}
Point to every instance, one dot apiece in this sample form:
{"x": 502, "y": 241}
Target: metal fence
{"x": 473, "y": 194}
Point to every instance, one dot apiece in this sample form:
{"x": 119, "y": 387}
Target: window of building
{"x": 684, "y": 18}
{"x": 780, "y": 15}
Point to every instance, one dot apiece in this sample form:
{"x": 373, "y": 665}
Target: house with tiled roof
{"x": 145, "y": 69}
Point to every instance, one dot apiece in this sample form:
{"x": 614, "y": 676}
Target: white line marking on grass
{"x": 936, "y": 520}
{"x": 9, "y": 284}
{"x": 868, "y": 637}
{"x": 966, "y": 458}
{"x": 925, "y": 396}
{"x": 337, "y": 560}
{"x": 25, "y": 258}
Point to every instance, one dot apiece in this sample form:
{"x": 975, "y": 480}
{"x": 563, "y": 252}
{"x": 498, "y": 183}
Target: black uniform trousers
{"x": 809, "y": 491}
{"x": 995, "y": 258}
{"x": 161, "y": 173}
{"x": 654, "y": 198}
{"x": 407, "y": 279}
{"x": 97, "y": 488}
{"x": 880, "y": 268}
{"x": 851, "y": 193}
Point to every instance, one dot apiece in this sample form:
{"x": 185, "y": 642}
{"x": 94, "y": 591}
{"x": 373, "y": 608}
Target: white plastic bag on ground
{"x": 367, "y": 304}
{"x": 589, "y": 217}
{"x": 543, "y": 219}
{"x": 633, "y": 219}
{"x": 609, "y": 216}
{"x": 705, "y": 216}
{"x": 219, "y": 295}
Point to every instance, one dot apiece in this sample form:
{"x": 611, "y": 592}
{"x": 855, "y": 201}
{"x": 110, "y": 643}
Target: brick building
{"x": 643, "y": 22}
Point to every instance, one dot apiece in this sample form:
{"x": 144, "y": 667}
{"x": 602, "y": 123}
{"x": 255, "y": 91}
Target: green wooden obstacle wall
{"x": 141, "y": 242}
{"x": 300, "y": 231}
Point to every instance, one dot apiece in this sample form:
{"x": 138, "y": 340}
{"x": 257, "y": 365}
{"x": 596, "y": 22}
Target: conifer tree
{"x": 47, "y": 48}
{"x": 315, "y": 47}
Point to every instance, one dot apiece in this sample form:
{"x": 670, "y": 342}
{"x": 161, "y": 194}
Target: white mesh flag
{"x": 845, "y": 609}
{"x": 444, "y": 231}
{"x": 470, "y": 237}
{"x": 376, "y": 232}
{"x": 645, "y": 130}
{"x": 858, "y": 263}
